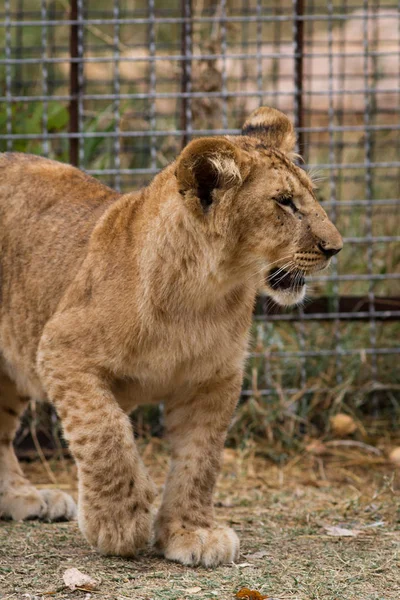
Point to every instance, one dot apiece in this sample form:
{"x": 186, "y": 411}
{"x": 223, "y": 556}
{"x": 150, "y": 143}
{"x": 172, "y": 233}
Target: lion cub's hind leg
{"x": 19, "y": 499}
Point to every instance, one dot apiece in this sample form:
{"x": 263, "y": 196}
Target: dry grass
{"x": 280, "y": 513}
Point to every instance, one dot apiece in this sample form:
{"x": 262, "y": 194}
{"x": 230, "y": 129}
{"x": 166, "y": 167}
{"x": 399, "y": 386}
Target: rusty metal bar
{"x": 186, "y": 85}
{"x": 387, "y": 308}
{"x": 298, "y": 31}
{"x": 74, "y": 85}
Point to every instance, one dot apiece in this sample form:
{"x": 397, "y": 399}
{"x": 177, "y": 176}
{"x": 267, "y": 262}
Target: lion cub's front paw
{"x": 59, "y": 506}
{"x": 26, "y": 502}
{"x": 119, "y": 530}
{"x": 208, "y": 547}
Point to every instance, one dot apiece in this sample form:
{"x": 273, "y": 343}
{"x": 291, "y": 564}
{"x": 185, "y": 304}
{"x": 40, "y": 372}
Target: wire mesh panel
{"x": 118, "y": 88}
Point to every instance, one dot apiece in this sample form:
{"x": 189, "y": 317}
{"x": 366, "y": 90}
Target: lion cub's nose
{"x": 329, "y": 249}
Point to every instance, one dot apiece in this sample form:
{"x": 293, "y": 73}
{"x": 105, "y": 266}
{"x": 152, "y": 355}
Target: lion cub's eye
{"x": 286, "y": 200}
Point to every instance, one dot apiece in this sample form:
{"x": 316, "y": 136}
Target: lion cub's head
{"x": 247, "y": 194}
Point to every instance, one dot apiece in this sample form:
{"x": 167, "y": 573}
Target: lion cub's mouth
{"x": 279, "y": 279}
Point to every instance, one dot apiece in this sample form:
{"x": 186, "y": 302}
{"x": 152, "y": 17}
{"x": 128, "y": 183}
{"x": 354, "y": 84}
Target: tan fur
{"x": 109, "y": 301}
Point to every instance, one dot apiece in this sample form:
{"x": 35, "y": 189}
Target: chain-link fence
{"x": 119, "y": 87}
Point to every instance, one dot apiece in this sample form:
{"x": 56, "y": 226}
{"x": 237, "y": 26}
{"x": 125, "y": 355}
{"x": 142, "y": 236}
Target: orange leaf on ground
{"x": 247, "y": 594}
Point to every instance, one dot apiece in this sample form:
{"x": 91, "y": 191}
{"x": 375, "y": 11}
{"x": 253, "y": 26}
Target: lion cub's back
{"x": 31, "y": 185}
{"x": 47, "y": 213}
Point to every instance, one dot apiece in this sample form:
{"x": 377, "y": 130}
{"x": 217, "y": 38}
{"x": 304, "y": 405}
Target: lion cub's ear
{"x": 208, "y": 164}
{"x": 272, "y": 127}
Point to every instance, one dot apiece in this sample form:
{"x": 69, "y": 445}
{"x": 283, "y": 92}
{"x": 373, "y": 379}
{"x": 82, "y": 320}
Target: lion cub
{"x": 108, "y": 301}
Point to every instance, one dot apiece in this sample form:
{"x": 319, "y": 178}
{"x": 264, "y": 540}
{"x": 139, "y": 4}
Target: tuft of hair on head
{"x": 272, "y": 127}
{"x": 208, "y": 164}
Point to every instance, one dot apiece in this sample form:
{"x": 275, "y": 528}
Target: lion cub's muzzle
{"x": 288, "y": 287}
{"x": 318, "y": 258}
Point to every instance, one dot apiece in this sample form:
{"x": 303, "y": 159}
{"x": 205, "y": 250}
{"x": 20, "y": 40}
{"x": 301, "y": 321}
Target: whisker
{"x": 263, "y": 268}
{"x": 283, "y": 272}
{"x": 288, "y": 268}
{"x": 316, "y": 175}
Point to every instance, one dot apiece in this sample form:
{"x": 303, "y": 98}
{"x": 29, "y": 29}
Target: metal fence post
{"x": 186, "y": 80}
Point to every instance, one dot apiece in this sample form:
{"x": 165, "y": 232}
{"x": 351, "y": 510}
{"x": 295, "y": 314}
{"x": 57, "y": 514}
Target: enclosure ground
{"x": 287, "y": 518}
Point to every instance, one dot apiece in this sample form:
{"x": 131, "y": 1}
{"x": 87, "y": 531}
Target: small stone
{"x": 394, "y": 456}
{"x": 342, "y": 425}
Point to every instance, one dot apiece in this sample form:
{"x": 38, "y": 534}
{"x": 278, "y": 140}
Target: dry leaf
{"x": 341, "y": 531}
{"x": 194, "y": 590}
{"x": 394, "y": 456}
{"x": 247, "y": 594}
{"x": 74, "y": 579}
{"x": 342, "y": 425}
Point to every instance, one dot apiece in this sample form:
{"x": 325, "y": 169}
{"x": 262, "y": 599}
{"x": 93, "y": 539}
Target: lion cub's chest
{"x": 189, "y": 351}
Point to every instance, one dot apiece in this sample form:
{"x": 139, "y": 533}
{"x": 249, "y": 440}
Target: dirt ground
{"x": 287, "y": 518}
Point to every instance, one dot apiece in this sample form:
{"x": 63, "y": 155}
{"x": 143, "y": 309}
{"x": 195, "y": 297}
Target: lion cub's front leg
{"x": 185, "y": 528}
{"x": 115, "y": 492}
